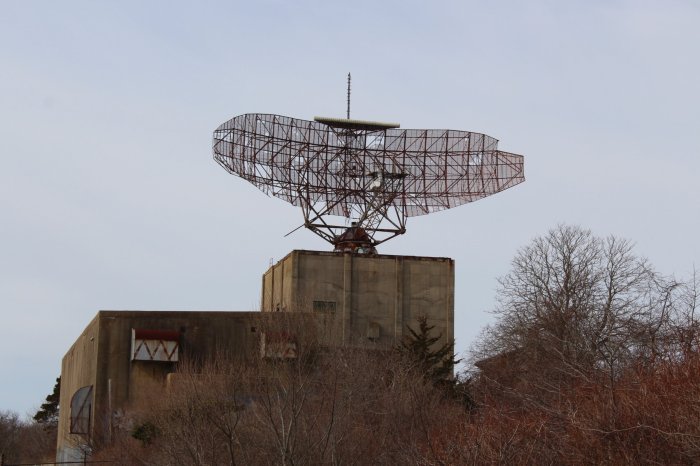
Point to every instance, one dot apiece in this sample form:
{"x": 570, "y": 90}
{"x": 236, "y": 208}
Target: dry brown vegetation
{"x": 593, "y": 360}
{"x": 327, "y": 406}
{"x": 25, "y": 441}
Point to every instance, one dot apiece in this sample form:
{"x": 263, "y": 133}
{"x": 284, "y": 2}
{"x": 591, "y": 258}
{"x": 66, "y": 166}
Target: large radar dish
{"x": 358, "y": 181}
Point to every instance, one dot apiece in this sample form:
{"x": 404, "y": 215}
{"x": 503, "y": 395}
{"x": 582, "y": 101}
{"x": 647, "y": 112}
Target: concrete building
{"x": 370, "y": 298}
{"x": 106, "y": 369}
{"x": 124, "y": 357}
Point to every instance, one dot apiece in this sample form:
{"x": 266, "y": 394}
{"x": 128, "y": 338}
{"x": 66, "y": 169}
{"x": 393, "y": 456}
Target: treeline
{"x": 34, "y": 440}
{"x": 26, "y": 441}
{"x": 593, "y": 359}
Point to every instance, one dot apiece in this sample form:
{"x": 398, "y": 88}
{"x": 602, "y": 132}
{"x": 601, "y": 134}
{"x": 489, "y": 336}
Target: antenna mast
{"x": 348, "y": 96}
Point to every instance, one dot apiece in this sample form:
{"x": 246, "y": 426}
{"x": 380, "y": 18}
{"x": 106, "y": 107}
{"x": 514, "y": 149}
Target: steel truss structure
{"x": 374, "y": 175}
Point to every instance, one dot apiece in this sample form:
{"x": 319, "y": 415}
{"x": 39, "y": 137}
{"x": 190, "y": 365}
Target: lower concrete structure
{"x": 123, "y": 358}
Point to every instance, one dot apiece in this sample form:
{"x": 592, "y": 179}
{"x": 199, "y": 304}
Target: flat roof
{"x": 362, "y": 256}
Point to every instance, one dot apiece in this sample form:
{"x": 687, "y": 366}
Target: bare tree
{"x": 576, "y": 306}
{"x": 25, "y": 441}
{"x": 10, "y": 427}
{"x": 684, "y": 339}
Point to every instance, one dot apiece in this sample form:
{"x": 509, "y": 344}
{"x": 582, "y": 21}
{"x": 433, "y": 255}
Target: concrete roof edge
{"x": 332, "y": 253}
{"x": 142, "y": 312}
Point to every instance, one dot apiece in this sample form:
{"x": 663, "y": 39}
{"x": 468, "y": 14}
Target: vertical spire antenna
{"x": 348, "y": 96}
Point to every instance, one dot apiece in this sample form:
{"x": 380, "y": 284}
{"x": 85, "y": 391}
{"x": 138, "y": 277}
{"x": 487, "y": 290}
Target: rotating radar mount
{"x": 358, "y": 181}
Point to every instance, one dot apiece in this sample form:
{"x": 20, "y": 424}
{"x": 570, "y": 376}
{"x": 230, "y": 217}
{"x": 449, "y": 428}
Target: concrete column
{"x": 299, "y": 302}
{"x": 450, "y": 290}
{"x": 263, "y": 304}
{"x": 273, "y": 297}
{"x": 283, "y": 300}
{"x": 398, "y": 300}
{"x": 347, "y": 297}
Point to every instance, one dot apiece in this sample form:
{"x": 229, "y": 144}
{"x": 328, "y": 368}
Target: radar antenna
{"x": 371, "y": 174}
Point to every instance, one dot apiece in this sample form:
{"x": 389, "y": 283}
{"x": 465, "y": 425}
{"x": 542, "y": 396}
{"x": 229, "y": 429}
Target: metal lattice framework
{"x": 372, "y": 174}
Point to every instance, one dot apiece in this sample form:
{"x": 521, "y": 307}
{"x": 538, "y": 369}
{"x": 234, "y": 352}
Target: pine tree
{"x": 48, "y": 413}
{"x": 437, "y": 364}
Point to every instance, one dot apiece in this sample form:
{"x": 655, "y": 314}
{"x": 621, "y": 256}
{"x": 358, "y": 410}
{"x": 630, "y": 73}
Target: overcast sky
{"x": 110, "y": 198}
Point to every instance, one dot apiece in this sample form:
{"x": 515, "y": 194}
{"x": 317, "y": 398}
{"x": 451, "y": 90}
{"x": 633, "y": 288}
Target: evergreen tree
{"x": 436, "y": 363}
{"x": 48, "y": 413}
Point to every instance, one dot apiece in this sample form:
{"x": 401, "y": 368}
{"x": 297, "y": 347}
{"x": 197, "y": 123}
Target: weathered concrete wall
{"x": 101, "y": 357}
{"x": 370, "y": 293}
{"x": 199, "y": 335}
{"x": 78, "y": 369}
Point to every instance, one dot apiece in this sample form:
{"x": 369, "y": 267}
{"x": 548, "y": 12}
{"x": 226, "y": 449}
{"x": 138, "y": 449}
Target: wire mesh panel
{"x": 81, "y": 410}
{"x": 376, "y": 176}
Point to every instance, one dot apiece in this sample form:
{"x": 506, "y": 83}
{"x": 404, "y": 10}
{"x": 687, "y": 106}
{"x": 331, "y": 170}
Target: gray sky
{"x": 110, "y": 198}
